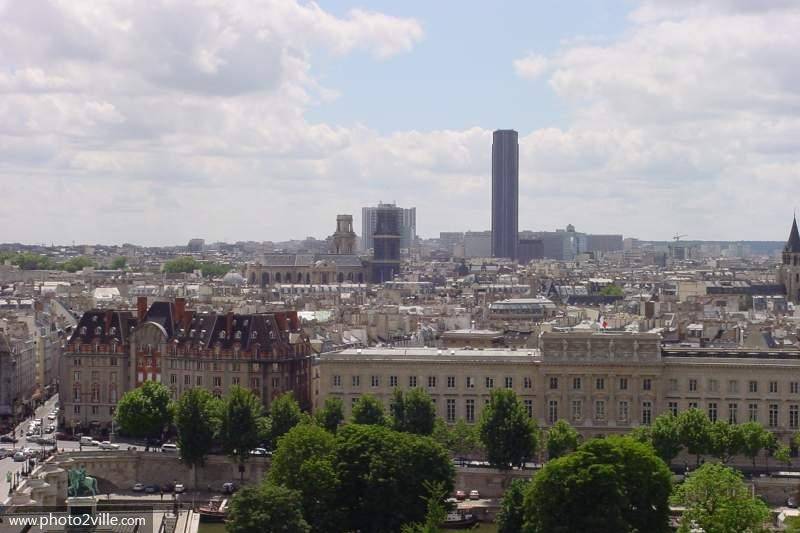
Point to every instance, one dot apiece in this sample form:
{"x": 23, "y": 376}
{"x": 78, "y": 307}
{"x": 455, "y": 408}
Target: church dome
{"x": 233, "y": 278}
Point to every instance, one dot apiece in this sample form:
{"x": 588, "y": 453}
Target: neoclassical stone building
{"x": 306, "y": 269}
{"x": 602, "y": 383}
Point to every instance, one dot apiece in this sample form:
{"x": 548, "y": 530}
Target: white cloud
{"x": 531, "y": 66}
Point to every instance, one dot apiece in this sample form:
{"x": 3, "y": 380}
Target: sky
{"x": 156, "y": 122}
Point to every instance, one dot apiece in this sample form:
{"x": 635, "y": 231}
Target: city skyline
{"x": 295, "y": 113}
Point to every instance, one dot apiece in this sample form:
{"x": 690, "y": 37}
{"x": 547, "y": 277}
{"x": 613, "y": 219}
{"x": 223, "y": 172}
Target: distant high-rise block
{"x": 505, "y": 193}
{"x": 369, "y": 221}
{"x": 386, "y": 242}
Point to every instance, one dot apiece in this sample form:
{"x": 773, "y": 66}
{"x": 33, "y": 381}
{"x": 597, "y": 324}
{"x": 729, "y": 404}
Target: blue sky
{"x": 460, "y": 75}
{"x": 156, "y": 122}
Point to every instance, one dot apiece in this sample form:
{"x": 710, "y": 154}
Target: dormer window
{"x": 245, "y": 323}
{"x": 94, "y": 318}
{"x": 238, "y": 335}
{"x": 222, "y": 334}
{"x": 191, "y": 333}
{"x": 254, "y": 335}
{"x": 98, "y": 330}
{"x": 113, "y": 330}
{"x": 83, "y": 330}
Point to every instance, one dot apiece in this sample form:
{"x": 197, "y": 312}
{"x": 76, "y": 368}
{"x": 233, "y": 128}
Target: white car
{"x": 95, "y": 442}
{"x": 138, "y": 487}
{"x": 259, "y": 451}
{"x": 51, "y": 416}
{"x": 179, "y": 488}
{"x": 169, "y": 448}
{"x": 107, "y": 445}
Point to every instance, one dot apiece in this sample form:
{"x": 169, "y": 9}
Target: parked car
{"x": 151, "y": 489}
{"x": 259, "y": 451}
{"x": 95, "y": 442}
{"x": 51, "y": 416}
{"x": 792, "y": 502}
{"x": 169, "y": 448}
{"x": 88, "y": 441}
{"x": 229, "y": 488}
{"x": 107, "y": 445}
{"x": 138, "y": 487}
{"x": 169, "y": 486}
{"x": 8, "y": 438}
{"x": 19, "y": 457}
{"x": 461, "y": 495}
{"x": 474, "y": 495}
{"x": 179, "y": 488}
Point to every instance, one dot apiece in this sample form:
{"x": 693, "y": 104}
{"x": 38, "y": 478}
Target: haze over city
{"x": 124, "y": 122}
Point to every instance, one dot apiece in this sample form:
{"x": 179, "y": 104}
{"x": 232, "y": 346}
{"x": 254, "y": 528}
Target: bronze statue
{"x": 80, "y": 484}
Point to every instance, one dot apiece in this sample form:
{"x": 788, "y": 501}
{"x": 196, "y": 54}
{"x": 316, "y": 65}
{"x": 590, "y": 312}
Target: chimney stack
{"x": 180, "y": 309}
{"x": 141, "y": 307}
{"x": 229, "y": 325}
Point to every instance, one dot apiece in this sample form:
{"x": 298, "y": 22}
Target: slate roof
{"x": 793, "y": 244}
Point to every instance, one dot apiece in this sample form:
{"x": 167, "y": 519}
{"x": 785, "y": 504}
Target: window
{"x": 647, "y": 413}
{"x": 255, "y": 383}
{"x": 412, "y": 382}
{"x": 752, "y": 386}
{"x": 793, "y": 417}
{"x": 95, "y": 410}
{"x": 552, "y": 411}
{"x": 112, "y": 361}
{"x": 576, "y": 383}
{"x": 794, "y": 387}
{"x": 393, "y": 381}
{"x": 451, "y": 410}
{"x": 173, "y": 379}
{"x": 470, "y": 411}
{"x": 356, "y": 381}
{"x": 773, "y": 387}
{"x": 733, "y": 386}
{"x": 353, "y": 401}
{"x": 712, "y": 411}
{"x": 509, "y": 382}
{"x": 600, "y": 410}
{"x": 217, "y": 381}
{"x": 470, "y": 382}
{"x": 529, "y": 407}
{"x": 76, "y": 376}
{"x": 692, "y": 385}
{"x": 76, "y": 361}
{"x": 622, "y": 411}
{"x": 187, "y": 380}
{"x": 673, "y": 408}
{"x": 236, "y": 380}
{"x": 489, "y": 383}
{"x": 451, "y": 382}
{"x": 431, "y": 382}
{"x": 76, "y": 394}
{"x": 527, "y": 382}
{"x": 600, "y": 383}
{"x": 198, "y": 381}
{"x": 647, "y": 384}
{"x": 773, "y": 415}
{"x": 577, "y": 410}
{"x": 673, "y": 385}
{"x": 752, "y": 412}
{"x": 375, "y": 381}
{"x": 553, "y": 383}
{"x": 76, "y": 409}
{"x": 692, "y": 405}
{"x": 713, "y": 385}
{"x": 733, "y": 413}
{"x": 623, "y": 383}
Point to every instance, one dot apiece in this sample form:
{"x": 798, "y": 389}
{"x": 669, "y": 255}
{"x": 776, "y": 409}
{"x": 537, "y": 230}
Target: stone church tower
{"x": 344, "y": 240}
{"x": 790, "y": 269}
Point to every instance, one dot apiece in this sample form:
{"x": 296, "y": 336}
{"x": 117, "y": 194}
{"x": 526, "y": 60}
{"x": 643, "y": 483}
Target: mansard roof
{"x": 793, "y": 244}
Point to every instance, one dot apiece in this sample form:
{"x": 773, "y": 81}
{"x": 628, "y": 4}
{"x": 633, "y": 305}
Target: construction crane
{"x": 678, "y": 237}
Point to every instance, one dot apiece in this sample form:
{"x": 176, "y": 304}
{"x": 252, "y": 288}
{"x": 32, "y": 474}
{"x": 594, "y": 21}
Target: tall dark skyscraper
{"x": 505, "y": 193}
{"x": 386, "y": 242}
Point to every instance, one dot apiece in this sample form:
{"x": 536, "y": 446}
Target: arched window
{"x": 361, "y": 277}
{"x": 288, "y": 277}
{"x": 299, "y": 277}
{"x": 340, "y": 277}
{"x": 277, "y": 277}
{"x": 350, "y": 277}
{"x": 265, "y": 279}
{"x": 308, "y": 278}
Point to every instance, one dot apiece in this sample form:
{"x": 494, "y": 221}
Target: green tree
{"x": 725, "y": 440}
{"x": 239, "y": 428}
{"x": 382, "y": 475}
{"x": 119, "y": 263}
{"x": 616, "y": 484}
{"x": 303, "y": 461}
{"x": 437, "y": 510}
{"x": 29, "y": 261}
{"x": 214, "y": 270}
{"x": 284, "y": 415}
{"x": 413, "y": 412}
{"x": 509, "y": 435}
{"x": 511, "y": 516}
{"x": 181, "y": 264}
{"x": 77, "y": 263}
{"x": 718, "y": 501}
{"x": 331, "y": 415}
{"x": 266, "y": 508}
{"x": 561, "y": 439}
{"x": 771, "y": 445}
{"x": 197, "y": 425}
{"x": 694, "y": 429}
{"x": 665, "y": 437}
{"x": 612, "y": 290}
{"x": 145, "y": 411}
{"x": 753, "y": 435}
{"x": 369, "y": 410}
{"x": 784, "y": 455}
{"x": 461, "y": 439}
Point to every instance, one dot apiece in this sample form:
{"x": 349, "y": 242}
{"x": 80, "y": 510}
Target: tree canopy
{"x": 511, "y": 516}
{"x": 266, "y": 508}
{"x": 694, "y": 429}
{"x": 509, "y": 435}
{"x": 616, "y": 484}
{"x": 368, "y": 410}
{"x": 196, "y": 422}
{"x": 284, "y": 415}
{"x": 561, "y": 438}
{"x": 332, "y": 414}
{"x": 718, "y": 501}
{"x": 145, "y": 411}
{"x": 413, "y": 411}
{"x": 240, "y": 428}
